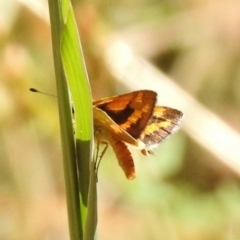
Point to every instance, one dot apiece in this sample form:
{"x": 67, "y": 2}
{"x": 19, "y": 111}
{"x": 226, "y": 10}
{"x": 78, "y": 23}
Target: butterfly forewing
{"x": 106, "y": 126}
{"x": 130, "y": 111}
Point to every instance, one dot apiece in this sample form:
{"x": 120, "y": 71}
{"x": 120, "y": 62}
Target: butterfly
{"x": 133, "y": 119}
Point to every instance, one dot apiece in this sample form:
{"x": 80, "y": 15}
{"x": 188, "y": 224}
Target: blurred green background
{"x": 181, "y": 193}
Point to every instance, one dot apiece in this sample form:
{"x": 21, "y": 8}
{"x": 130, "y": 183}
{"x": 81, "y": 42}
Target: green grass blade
{"x": 78, "y": 83}
{"x": 68, "y": 143}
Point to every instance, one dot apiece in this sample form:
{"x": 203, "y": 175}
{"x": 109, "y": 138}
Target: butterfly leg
{"x": 99, "y": 157}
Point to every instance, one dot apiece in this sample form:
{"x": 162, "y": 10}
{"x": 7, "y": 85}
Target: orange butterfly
{"x": 134, "y": 119}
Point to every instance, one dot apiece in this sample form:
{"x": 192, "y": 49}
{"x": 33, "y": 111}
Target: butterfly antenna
{"x": 37, "y": 91}
{"x": 51, "y": 95}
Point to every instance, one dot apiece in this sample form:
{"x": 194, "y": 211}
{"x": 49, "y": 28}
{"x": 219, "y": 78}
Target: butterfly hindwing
{"x": 163, "y": 122}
